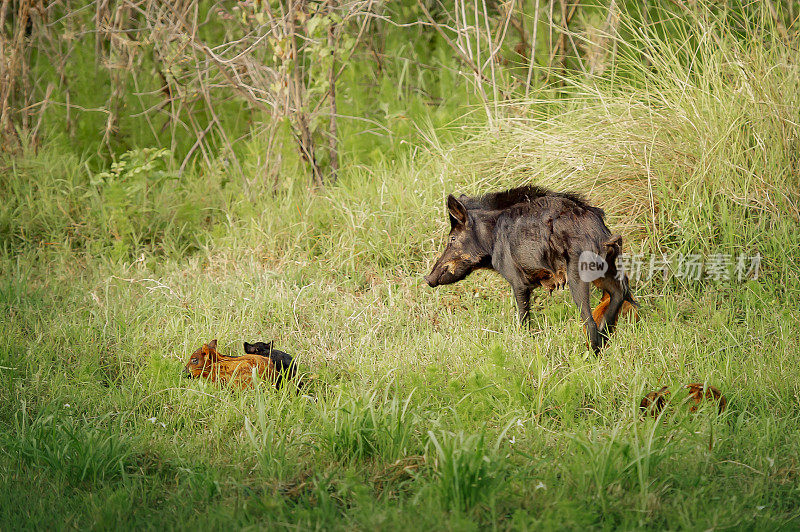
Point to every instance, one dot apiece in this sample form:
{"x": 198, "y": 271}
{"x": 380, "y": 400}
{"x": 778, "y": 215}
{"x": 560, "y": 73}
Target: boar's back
{"x": 498, "y": 201}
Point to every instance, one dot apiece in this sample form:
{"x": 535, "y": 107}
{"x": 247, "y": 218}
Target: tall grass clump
{"x": 274, "y": 444}
{"x": 79, "y": 451}
{"x": 467, "y": 469}
{"x": 626, "y": 457}
{"x": 365, "y": 425}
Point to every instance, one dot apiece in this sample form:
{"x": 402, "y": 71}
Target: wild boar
{"x": 284, "y": 364}
{"x": 536, "y": 237}
{"x": 699, "y": 391}
{"x": 208, "y": 363}
{"x": 653, "y": 403}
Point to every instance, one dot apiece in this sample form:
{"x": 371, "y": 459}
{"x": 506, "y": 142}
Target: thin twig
{"x": 532, "y": 58}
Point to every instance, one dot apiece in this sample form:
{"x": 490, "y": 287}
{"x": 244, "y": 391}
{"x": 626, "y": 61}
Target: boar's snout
{"x": 431, "y": 280}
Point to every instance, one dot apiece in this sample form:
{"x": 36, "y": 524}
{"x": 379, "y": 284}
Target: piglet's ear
{"x": 250, "y": 349}
{"x": 457, "y": 211}
{"x": 210, "y": 353}
{"x": 213, "y": 344}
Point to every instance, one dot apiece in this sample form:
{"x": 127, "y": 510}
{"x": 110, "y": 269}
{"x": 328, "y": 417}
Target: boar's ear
{"x": 613, "y": 248}
{"x": 250, "y": 349}
{"x": 457, "y": 211}
{"x": 213, "y": 344}
{"x": 269, "y": 346}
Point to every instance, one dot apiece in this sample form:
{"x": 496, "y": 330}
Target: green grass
{"x": 425, "y": 408}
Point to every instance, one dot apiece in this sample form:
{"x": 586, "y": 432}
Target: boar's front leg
{"x": 580, "y": 295}
{"x": 522, "y": 295}
{"x": 504, "y": 264}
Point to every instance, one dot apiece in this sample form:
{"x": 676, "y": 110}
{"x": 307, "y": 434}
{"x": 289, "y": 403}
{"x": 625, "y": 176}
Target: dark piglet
{"x": 535, "y": 237}
{"x": 284, "y": 364}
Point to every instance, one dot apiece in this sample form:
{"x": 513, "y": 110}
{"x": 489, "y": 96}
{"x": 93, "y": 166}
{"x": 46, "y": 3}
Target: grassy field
{"x": 426, "y": 408}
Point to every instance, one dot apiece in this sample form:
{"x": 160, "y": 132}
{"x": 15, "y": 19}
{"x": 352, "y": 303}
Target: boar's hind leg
{"x": 522, "y": 294}
{"x": 580, "y": 295}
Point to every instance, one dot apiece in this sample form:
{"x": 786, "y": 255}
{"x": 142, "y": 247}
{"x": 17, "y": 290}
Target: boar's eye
{"x": 452, "y": 238}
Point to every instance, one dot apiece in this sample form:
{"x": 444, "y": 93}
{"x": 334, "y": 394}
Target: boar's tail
{"x": 628, "y": 296}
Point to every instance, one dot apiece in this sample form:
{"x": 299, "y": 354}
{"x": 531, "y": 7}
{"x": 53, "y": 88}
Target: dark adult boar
{"x": 535, "y": 237}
